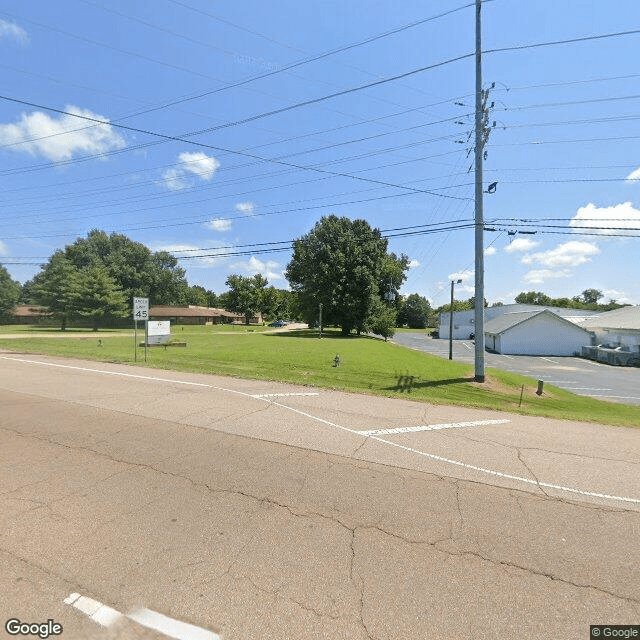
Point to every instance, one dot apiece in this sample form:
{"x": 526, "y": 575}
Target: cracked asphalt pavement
{"x": 273, "y": 516}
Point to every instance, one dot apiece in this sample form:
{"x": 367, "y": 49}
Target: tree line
{"x": 342, "y": 264}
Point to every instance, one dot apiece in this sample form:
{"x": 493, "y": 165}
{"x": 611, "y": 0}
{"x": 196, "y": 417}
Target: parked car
{"x": 277, "y": 323}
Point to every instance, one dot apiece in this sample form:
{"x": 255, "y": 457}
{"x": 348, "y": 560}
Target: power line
{"x": 209, "y": 146}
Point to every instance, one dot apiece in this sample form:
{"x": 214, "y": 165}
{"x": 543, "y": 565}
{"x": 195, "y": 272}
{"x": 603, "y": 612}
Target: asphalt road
{"x": 584, "y": 377}
{"x": 250, "y": 509}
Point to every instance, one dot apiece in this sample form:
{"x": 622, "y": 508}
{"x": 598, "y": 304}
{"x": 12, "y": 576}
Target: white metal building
{"x": 617, "y": 328}
{"x": 463, "y": 321}
{"x": 535, "y": 333}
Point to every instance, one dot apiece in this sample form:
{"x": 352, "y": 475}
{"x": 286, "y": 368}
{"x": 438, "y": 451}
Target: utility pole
{"x": 479, "y": 216}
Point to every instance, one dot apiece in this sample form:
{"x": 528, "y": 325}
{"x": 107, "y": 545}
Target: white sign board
{"x": 141, "y": 308}
{"x": 158, "y": 331}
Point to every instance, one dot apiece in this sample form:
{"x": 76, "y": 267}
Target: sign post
{"x": 140, "y": 312}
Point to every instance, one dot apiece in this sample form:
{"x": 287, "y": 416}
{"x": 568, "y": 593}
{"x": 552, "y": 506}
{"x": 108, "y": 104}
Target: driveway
{"x": 584, "y": 377}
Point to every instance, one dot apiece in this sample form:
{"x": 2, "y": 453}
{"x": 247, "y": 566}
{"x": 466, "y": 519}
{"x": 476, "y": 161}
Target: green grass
{"x": 368, "y": 365}
{"x": 34, "y": 328}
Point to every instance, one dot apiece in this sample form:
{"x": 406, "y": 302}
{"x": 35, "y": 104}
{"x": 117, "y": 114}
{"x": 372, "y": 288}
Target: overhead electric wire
{"x": 209, "y": 146}
{"x": 320, "y": 56}
{"x": 258, "y": 77}
{"x": 335, "y": 94}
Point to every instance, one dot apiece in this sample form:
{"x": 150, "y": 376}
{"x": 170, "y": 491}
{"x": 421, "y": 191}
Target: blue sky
{"x": 565, "y": 150}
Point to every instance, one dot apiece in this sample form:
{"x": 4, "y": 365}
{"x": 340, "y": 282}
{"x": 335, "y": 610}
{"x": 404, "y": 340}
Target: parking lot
{"x": 584, "y": 377}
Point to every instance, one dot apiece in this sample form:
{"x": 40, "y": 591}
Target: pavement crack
{"x": 505, "y": 564}
{"x": 528, "y": 468}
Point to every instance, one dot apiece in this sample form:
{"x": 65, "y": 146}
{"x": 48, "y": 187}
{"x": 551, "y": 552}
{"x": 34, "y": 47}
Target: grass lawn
{"x": 175, "y": 329}
{"x": 368, "y": 365}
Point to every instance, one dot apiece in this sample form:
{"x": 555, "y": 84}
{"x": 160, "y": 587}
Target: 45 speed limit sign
{"x": 141, "y": 308}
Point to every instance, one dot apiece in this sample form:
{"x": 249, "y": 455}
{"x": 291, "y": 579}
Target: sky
{"x": 223, "y": 131}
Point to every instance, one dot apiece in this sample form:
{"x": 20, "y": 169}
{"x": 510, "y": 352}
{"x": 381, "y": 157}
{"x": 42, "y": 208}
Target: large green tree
{"x": 135, "y": 269}
{"x": 57, "y": 287}
{"x": 99, "y": 296}
{"x": 246, "y": 295}
{"x": 9, "y": 293}
{"x": 415, "y": 312}
{"x": 382, "y": 319}
{"x": 344, "y": 265}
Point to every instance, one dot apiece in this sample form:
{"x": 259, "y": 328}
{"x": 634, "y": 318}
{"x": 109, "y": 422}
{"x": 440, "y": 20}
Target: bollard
{"x": 336, "y": 361}
{"x": 540, "y": 387}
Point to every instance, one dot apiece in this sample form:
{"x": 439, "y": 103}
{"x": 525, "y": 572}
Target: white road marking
{"x": 549, "y": 360}
{"x": 467, "y": 346}
{"x": 561, "y": 381}
{"x": 281, "y": 395}
{"x": 425, "y": 454}
{"x": 504, "y": 355}
{"x": 105, "y": 616}
{"x": 169, "y": 626}
{"x": 96, "y": 611}
{"x": 432, "y": 427}
{"x": 586, "y": 389}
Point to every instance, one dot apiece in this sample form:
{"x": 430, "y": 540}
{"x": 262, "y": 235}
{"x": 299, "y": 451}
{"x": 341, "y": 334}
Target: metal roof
{"x": 623, "y": 318}
{"x": 509, "y": 320}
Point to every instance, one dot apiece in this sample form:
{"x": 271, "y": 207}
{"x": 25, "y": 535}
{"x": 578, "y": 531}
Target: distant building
{"x": 192, "y": 314}
{"x": 617, "y": 328}
{"x": 29, "y": 314}
{"x": 463, "y": 321}
{"x": 535, "y": 333}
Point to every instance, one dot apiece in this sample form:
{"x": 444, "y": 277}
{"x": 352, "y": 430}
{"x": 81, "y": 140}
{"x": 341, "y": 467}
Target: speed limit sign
{"x": 141, "y": 308}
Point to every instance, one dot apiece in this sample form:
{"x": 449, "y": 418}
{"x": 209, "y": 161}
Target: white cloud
{"x": 218, "y": 224}
{"x": 617, "y": 217}
{"x": 60, "y": 139}
{"x": 198, "y": 164}
{"x": 414, "y": 264}
{"x": 490, "y": 251}
{"x": 174, "y": 179}
{"x": 270, "y": 269}
{"x": 615, "y": 294}
{"x": 468, "y": 281}
{"x": 521, "y": 244}
{"x": 538, "y": 276}
{"x": 634, "y": 175}
{"x": 568, "y": 254}
{"x": 245, "y": 208}
{"x": 3, "y": 248}
{"x": 465, "y": 276}
{"x": 13, "y": 31}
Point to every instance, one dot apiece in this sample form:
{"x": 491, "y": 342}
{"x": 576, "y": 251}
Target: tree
{"x": 415, "y": 312}
{"x": 246, "y": 295}
{"x": 340, "y": 263}
{"x": 533, "y": 297}
{"x": 591, "y": 296}
{"x": 198, "y": 296}
{"x": 381, "y": 320}
{"x": 57, "y": 287}
{"x": 392, "y": 276}
{"x": 133, "y": 267}
{"x": 9, "y": 293}
{"x": 99, "y": 297}
{"x": 164, "y": 279}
